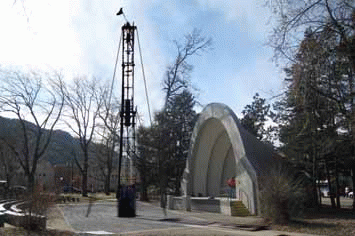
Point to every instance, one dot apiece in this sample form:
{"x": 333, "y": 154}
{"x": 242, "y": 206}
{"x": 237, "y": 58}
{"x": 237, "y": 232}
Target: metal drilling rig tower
{"x": 126, "y": 205}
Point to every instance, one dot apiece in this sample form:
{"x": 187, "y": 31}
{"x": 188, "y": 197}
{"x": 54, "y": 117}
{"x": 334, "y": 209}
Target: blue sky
{"x": 80, "y": 37}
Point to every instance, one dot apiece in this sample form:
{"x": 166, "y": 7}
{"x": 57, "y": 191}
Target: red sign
{"x": 231, "y": 182}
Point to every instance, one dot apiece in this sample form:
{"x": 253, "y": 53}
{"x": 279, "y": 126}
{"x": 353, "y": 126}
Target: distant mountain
{"x": 61, "y": 148}
{"x": 7, "y": 125}
{"x": 62, "y": 144}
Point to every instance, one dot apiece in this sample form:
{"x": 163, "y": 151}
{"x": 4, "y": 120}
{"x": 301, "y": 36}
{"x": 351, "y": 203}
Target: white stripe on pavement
{"x": 98, "y": 232}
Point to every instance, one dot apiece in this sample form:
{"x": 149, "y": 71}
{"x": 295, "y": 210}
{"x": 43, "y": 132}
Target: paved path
{"x": 151, "y": 220}
{"x": 103, "y": 217}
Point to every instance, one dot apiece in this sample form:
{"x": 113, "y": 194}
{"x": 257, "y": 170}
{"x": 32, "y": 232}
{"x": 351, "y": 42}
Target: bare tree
{"x": 105, "y": 156}
{"x": 31, "y": 97}
{"x": 293, "y": 18}
{"x": 178, "y": 74}
{"x": 175, "y": 83}
{"x": 83, "y": 100}
{"x": 108, "y": 133}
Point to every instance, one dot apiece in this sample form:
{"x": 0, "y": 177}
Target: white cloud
{"x": 251, "y": 16}
{"x": 98, "y": 31}
{"x": 81, "y": 37}
{"x": 38, "y": 34}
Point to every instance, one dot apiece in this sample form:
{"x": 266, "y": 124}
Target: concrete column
{"x": 225, "y": 206}
{"x": 170, "y": 202}
{"x": 187, "y": 202}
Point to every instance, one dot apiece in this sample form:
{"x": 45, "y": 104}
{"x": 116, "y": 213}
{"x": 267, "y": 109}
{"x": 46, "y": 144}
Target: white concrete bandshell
{"x": 221, "y": 149}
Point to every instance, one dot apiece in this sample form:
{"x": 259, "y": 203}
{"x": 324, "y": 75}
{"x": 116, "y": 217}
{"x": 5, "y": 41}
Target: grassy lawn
{"x": 326, "y": 221}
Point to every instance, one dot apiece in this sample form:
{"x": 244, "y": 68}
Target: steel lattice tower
{"x": 128, "y": 110}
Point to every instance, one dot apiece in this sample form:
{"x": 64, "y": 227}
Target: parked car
{"x": 3, "y": 188}
{"x": 18, "y": 191}
{"x": 324, "y": 191}
{"x": 70, "y": 189}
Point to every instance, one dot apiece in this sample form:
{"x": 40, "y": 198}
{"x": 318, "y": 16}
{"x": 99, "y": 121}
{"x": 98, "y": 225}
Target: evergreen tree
{"x": 178, "y": 121}
{"x": 333, "y": 21}
{"x": 309, "y": 133}
{"x": 165, "y": 145}
{"x": 172, "y": 128}
{"x": 255, "y": 116}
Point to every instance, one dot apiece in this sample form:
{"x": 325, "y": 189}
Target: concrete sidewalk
{"x": 216, "y": 224}
{"x": 204, "y": 218}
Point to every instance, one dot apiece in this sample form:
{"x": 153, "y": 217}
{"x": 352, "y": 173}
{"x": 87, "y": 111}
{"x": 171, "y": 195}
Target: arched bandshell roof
{"x": 221, "y": 149}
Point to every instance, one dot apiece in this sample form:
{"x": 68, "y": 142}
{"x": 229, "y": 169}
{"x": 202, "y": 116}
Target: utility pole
{"x": 126, "y": 202}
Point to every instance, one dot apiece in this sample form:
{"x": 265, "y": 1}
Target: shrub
{"x": 36, "y": 211}
{"x": 281, "y": 195}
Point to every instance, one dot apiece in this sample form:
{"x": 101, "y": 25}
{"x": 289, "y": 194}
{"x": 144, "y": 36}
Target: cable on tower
{"x": 114, "y": 71}
{"x": 145, "y": 82}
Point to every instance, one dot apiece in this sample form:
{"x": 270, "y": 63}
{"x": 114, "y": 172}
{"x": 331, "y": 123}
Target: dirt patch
{"x": 56, "y": 226}
{"x": 12, "y": 231}
{"x": 56, "y": 220}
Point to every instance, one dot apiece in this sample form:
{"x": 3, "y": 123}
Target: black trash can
{"x": 2, "y": 219}
{"x": 127, "y": 202}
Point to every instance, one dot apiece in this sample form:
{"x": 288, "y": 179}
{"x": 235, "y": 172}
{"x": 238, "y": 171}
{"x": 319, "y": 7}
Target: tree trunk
{"x": 177, "y": 181}
{"x": 144, "y": 195}
{"x": 107, "y": 184}
{"x": 315, "y": 201}
{"x": 353, "y": 177}
{"x": 85, "y": 183}
{"x": 85, "y": 174}
{"x": 352, "y": 121}
{"x": 330, "y": 186}
{"x": 337, "y": 184}
{"x": 31, "y": 182}
{"x": 163, "y": 187}
{"x": 319, "y": 199}
{"x": 8, "y": 180}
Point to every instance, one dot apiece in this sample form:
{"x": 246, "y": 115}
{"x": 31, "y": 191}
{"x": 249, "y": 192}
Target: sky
{"x": 80, "y": 37}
